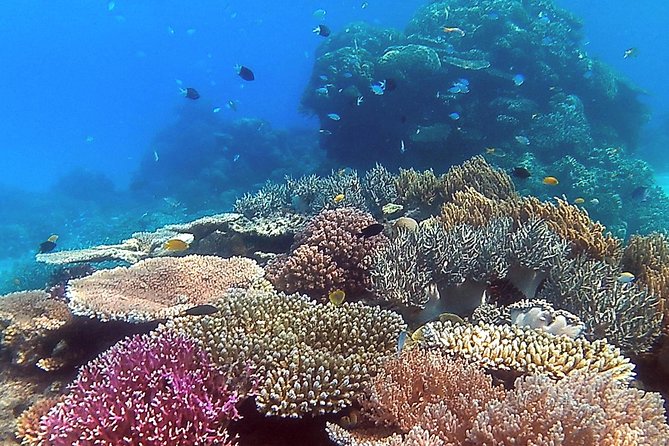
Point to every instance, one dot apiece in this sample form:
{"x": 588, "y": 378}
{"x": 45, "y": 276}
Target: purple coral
{"x": 149, "y": 390}
{"x": 330, "y": 253}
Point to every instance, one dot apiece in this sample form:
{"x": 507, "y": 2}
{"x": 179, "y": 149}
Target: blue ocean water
{"x": 98, "y": 141}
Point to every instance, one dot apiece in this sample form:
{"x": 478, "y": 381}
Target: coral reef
{"x": 158, "y": 288}
{"x": 31, "y": 327}
{"x": 526, "y": 350}
{"x": 161, "y": 388}
{"x": 329, "y": 253}
{"x": 310, "y": 358}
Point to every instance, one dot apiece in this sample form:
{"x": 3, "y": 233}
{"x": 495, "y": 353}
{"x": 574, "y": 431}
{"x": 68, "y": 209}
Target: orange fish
{"x": 456, "y": 30}
{"x": 551, "y": 181}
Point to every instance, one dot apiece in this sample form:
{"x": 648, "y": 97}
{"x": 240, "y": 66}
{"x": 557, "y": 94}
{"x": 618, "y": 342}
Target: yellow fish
{"x": 579, "y": 200}
{"x": 626, "y": 277}
{"x": 339, "y": 198}
{"x": 180, "y": 242}
{"x": 337, "y": 297}
{"x": 551, "y": 181}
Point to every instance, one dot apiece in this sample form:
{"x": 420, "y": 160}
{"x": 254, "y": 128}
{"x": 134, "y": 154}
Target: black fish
{"x": 47, "y": 246}
{"x": 521, "y": 172}
{"x": 245, "y": 73}
{"x": 201, "y": 310}
{"x": 640, "y": 194}
{"x": 322, "y": 30}
{"x": 371, "y": 230}
{"x": 191, "y": 93}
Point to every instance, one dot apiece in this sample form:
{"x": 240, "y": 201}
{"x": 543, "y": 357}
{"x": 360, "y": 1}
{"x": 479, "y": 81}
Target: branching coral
{"x": 478, "y": 174}
{"x": 624, "y": 314}
{"x": 154, "y": 389}
{"x": 582, "y": 409}
{"x": 158, "y": 288}
{"x": 330, "y": 253}
{"x": 310, "y": 358}
{"x": 526, "y": 350}
{"x": 31, "y": 323}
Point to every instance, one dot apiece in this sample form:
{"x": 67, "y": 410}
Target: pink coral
{"x": 149, "y": 390}
{"x": 330, "y": 253}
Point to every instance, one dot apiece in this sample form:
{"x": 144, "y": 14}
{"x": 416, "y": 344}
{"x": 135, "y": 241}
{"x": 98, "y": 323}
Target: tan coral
{"x": 310, "y": 358}
{"x": 158, "y": 288}
{"x": 27, "y": 425}
{"x": 526, "y": 350}
{"x": 29, "y": 320}
{"x": 415, "y": 187}
{"x": 481, "y": 176}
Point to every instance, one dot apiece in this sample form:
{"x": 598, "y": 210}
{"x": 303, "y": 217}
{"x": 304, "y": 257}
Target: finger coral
{"x": 154, "y": 389}
{"x": 310, "y": 358}
{"x": 526, "y": 350}
{"x": 158, "y": 288}
{"x": 330, "y": 253}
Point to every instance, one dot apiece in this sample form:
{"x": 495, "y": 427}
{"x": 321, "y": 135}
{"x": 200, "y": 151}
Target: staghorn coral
{"x": 310, "y": 358}
{"x": 159, "y": 388}
{"x": 28, "y": 423}
{"x": 417, "y": 436}
{"x": 568, "y": 221}
{"x": 418, "y": 190}
{"x": 31, "y": 323}
{"x": 478, "y": 174}
{"x": 624, "y": 314}
{"x": 158, "y": 288}
{"x": 526, "y": 350}
{"x": 328, "y": 254}
{"x": 647, "y": 257}
{"x": 379, "y": 186}
{"x": 581, "y": 409}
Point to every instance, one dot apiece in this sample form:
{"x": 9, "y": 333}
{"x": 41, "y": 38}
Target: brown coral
{"x": 158, "y": 288}
{"x": 27, "y": 425}
{"x": 476, "y": 173}
{"x": 29, "y": 322}
{"x": 579, "y": 410}
{"x": 330, "y": 253}
{"x": 310, "y": 358}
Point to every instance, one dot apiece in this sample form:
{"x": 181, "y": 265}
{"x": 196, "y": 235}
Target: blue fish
{"x": 334, "y": 116}
{"x": 401, "y": 341}
{"x": 518, "y": 79}
{"x": 454, "y": 116}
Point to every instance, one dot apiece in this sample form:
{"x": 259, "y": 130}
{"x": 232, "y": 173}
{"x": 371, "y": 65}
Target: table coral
{"x": 310, "y": 358}
{"x": 158, "y": 288}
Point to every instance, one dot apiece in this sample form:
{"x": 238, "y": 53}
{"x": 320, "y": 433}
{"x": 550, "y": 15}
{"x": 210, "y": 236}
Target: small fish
{"x": 594, "y": 201}
{"x": 626, "y": 277}
{"x": 579, "y": 200}
{"x": 190, "y": 31}
{"x": 216, "y": 109}
{"x": 630, "y": 52}
{"x": 524, "y": 140}
{"x": 235, "y": 158}
{"x": 325, "y": 132}
{"x": 454, "y": 116}
{"x": 402, "y": 340}
{"x": 179, "y": 242}
{"x": 371, "y": 230}
{"x": 490, "y": 150}
{"x": 339, "y": 198}
{"x": 244, "y": 72}
{"x": 201, "y": 310}
{"x": 48, "y": 245}
{"x": 521, "y": 172}
{"x": 90, "y": 139}
{"x": 322, "y": 31}
{"x": 451, "y": 317}
{"x": 337, "y": 297}
{"x": 322, "y": 91}
{"x": 378, "y": 88}
{"x": 391, "y": 208}
{"x": 454, "y": 30}
{"x": 231, "y": 105}
{"x": 334, "y": 116}
{"x": 640, "y": 194}
{"x": 551, "y": 181}
{"x": 518, "y": 79}
{"x": 359, "y": 100}
{"x": 111, "y": 6}
{"x": 364, "y": 5}
{"x": 402, "y": 146}
{"x": 319, "y": 13}
{"x": 155, "y": 156}
{"x": 170, "y": 30}
{"x": 190, "y": 93}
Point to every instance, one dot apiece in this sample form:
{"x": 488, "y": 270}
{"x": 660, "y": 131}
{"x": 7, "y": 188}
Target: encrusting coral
{"x": 310, "y": 358}
{"x": 526, "y": 350}
{"x": 30, "y": 322}
{"x": 160, "y": 388}
{"x": 158, "y": 288}
{"x": 329, "y": 253}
